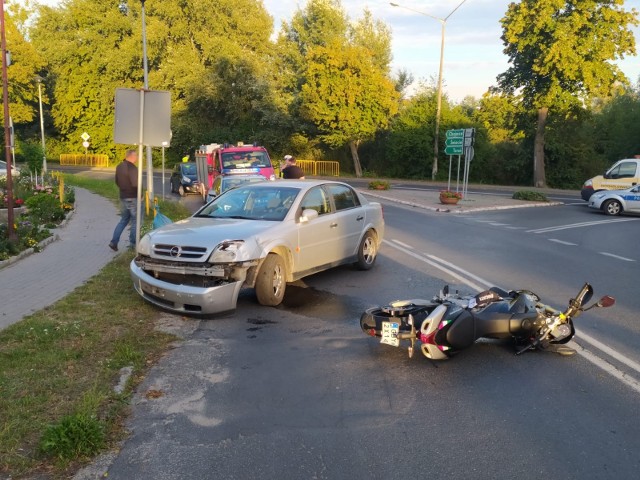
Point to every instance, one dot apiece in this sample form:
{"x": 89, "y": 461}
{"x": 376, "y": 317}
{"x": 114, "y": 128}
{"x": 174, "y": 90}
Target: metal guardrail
{"x": 319, "y": 167}
{"x": 94, "y": 160}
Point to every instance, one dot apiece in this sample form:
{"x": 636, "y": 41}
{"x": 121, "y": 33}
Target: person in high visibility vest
{"x": 185, "y": 158}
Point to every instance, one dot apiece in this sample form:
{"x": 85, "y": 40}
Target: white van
{"x": 623, "y": 174}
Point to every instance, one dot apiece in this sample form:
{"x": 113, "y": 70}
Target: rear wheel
{"x": 272, "y": 281}
{"x": 612, "y": 207}
{"x": 367, "y": 251}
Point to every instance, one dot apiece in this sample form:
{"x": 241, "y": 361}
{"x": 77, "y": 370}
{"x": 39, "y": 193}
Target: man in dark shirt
{"x": 127, "y": 181}
{"x": 291, "y": 170}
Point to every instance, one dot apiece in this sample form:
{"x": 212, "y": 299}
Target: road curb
{"x": 463, "y": 210}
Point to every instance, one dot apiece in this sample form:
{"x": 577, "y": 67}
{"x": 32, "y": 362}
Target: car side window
{"x": 626, "y": 170}
{"x": 343, "y": 197}
{"x": 316, "y": 199}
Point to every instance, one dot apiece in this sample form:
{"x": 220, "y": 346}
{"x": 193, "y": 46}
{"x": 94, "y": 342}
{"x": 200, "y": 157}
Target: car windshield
{"x": 232, "y": 182}
{"x": 189, "y": 169}
{"x": 267, "y": 203}
{"x": 233, "y": 160}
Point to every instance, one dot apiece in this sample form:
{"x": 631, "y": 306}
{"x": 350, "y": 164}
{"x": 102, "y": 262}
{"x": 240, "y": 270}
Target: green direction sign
{"x": 457, "y": 150}
{"x": 458, "y": 133}
{"x": 454, "y": 142}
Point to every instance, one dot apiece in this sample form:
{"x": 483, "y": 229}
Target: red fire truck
{"x": 224, "y": 159}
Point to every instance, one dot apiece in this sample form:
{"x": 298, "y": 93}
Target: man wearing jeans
{"x": 127, "y": 181}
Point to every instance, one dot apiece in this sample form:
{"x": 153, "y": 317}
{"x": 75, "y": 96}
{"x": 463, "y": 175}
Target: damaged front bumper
{"x": 188, "y": 299}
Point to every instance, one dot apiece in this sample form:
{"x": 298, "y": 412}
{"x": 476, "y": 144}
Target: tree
{"x": 561, "y": 54}
{"x": 25, "y": 66}
{"x": 347, "y": 96}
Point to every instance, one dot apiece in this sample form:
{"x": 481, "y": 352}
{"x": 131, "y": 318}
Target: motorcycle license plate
{"x": 390, "y": 333}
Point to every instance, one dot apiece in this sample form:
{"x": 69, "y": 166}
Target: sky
{"x": 473, "y": 55}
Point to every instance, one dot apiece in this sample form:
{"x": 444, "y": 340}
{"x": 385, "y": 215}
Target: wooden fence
{"x": 91, "y": 160}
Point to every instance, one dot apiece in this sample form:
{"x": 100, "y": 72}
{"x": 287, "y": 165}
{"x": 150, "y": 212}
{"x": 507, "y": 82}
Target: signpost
{"x": 460, "y": 142}
{"x": 85, "y": 143}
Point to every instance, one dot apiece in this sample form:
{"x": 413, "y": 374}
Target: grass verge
{"x": 59, "y": 365}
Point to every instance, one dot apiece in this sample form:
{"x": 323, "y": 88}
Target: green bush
{"x": 44, "y": 207}
{"x": 73, "y": 437}
{"x": 530, "y": 196}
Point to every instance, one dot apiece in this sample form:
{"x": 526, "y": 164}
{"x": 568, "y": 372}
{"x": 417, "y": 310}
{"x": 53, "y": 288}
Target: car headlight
{"x": 588, "y": 183}
{"x": 226, "y": 252}
{"x": 144, "y": 247}
{"x": 186, "y": 180}
{"x": 599, "y": 195}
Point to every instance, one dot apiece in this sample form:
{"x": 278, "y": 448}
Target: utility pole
{"x": 11, "y": 232}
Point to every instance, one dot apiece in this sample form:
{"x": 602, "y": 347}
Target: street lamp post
{"x": 443, "y": 23}
{"x": 44, "y": 152}
{"x": 145, "y": 67}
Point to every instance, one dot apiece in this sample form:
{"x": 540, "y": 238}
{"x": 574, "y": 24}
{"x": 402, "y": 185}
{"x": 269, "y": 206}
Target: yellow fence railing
{"x": 319, "y": 167}
{"x": 91, "y": 160}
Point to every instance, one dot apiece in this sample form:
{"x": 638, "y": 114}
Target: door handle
{"x": 359, "y": 218}
{"x": 333, "y": 225}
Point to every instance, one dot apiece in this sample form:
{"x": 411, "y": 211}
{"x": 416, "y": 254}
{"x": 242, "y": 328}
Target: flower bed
{"x": 40, "y": 209}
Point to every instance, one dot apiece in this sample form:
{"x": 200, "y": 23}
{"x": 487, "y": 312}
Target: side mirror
{"x": 606, "y": 301}
{"x": 308, "y": 214}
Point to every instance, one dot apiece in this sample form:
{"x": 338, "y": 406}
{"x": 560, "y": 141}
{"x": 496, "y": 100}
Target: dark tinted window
{"x": 343, "y": 197}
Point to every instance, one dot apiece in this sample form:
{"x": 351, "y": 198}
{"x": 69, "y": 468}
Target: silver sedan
{"x": 614, "y": 202}
{"x": 261, "y": 236}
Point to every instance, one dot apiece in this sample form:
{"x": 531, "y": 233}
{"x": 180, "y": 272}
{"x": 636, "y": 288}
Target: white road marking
{"x": 617, "y": 257}
{"x": 415, "y": 255}
{"x": 607, "y": 367}
{"x": 579, "y": 225}
{"x": 499, "y": 224}
{"x": 563, "y": 242}
{"x": 401, "y": 244}
{"x": 442, "y": 265}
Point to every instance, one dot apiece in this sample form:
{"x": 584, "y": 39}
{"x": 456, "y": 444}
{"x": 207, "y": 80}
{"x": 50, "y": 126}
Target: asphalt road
{"x": 298, "y": 392}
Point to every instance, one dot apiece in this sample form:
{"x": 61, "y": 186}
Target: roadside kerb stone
{"x": 429, "y": 200}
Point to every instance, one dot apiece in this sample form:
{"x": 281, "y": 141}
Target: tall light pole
{"x": 44, "y": 152}
{"x": 443, "y": 23}
{"x": 11, "y": 232}
{"x": 145, "y": 69}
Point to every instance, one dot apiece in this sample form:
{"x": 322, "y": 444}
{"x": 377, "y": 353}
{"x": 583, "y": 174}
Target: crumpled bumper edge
{"x": 182, "y": 298}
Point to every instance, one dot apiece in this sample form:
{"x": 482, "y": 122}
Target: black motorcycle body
{"x": 452, "y": 322}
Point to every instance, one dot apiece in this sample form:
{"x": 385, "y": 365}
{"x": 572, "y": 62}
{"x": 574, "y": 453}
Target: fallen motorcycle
{"x": 451, "y": 322}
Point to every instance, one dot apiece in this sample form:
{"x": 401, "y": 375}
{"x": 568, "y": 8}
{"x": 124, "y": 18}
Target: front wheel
{"x": 181, "y": 191}
{"x": 272, "y": 281}
{"x": 612, "y": 207}
{"x": 367, "y": 251}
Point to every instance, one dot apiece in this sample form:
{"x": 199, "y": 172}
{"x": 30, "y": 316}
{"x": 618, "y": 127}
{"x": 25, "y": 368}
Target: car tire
{"x": 181, "y": 191}
{"x": 612, "y": 207}
{"x": 272, "y": 281}
{"x": 367, "y": 251}
{"x": 173, "y": 190}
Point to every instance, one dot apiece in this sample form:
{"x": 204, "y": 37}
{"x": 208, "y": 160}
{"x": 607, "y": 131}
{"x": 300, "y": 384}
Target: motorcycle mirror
{"x": 445, "y": 290}
{"x": 606, "y": 301}
{"x": 587, "y": 296}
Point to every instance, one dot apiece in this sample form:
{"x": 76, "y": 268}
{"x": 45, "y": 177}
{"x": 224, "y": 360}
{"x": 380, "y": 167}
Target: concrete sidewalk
{"x": 81, "y": 250}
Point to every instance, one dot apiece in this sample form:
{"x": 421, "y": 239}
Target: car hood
{"x": 209, "y": 232}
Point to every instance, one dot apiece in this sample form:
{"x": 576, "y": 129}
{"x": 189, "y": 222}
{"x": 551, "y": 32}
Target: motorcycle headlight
{"x": 144, "y": 247}
{"x": 272, "y": 177}
{"x": 186, "y": 179}
{"x": 226, "y": 252}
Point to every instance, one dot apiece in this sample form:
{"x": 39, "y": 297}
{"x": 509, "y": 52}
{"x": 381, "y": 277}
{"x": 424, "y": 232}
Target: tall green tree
{"x": 26, "y": 65}
{"x": 347, "y": 96}
{"x": 561, "y": 54}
